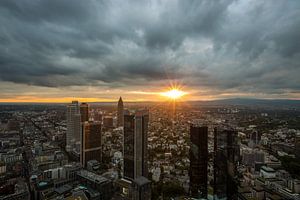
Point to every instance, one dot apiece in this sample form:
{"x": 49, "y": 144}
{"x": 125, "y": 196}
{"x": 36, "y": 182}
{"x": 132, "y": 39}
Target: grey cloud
{"x": 226, "y": 44}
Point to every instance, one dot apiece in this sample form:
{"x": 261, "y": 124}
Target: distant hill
{"x": 253, "y": 102}
{"x": 220, "y": 102}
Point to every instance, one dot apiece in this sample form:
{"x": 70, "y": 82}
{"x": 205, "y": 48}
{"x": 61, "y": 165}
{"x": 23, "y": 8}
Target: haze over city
{"x": 56, "y": 51}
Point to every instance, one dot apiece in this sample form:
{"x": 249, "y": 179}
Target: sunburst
{"x": 174, "y": 93}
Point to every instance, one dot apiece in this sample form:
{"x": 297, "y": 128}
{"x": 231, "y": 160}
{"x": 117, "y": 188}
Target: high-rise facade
{"x": 226, "y": 157}
{"x": 90, "y": 142}
{"x": 297, "y": 147}
{"x": 120, "y": 113}
{"x": 135, "y": 144}
{"x": 98, "y": 117}
{"x": 141, "y": 189}
{"x": 108, "y": 122}
{"x": 73, "y": 125}
{"x": 84, "y": 111}
{"x": 198, "y": 161}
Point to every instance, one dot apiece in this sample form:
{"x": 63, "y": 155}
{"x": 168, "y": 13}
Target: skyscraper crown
{"x": 120, "y": 100}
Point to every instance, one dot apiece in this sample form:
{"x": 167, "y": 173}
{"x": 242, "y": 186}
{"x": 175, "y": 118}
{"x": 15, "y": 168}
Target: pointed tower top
{"x": 120, "y": 99}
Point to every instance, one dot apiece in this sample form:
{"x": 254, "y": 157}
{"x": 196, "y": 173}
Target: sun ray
{"x": 174, "y": 93}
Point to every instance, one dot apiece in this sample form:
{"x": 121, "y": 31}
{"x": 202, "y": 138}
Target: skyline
{"x": 150, "y": 151}
{"x": 57, "y": 51}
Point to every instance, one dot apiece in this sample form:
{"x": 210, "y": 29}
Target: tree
{"x": 172, "y": 189}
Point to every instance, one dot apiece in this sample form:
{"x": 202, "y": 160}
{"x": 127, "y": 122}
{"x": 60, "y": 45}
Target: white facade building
{"x": 73, "y": 125}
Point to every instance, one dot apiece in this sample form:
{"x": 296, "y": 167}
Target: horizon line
{"x": 147, "y": 101}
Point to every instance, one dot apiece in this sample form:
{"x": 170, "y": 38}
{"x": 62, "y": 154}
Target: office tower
{"x": 297, "y": 147}
{"x": 90, "y": 142}
{"x": 73, "y": 125}
{"x": 98, "y": 117}
{"x": 198, "y": 161}
{"x": 135, "y": 144}
{"x": 108, "y": 122}
{"x": 120, "y": 118}
{"x": 135, "y": 184}
{"x": 226, "y": 157}
{"x": 250, "y": 157}
{"x": 141, "y": 189}
{"x": 255, "y": 138}
{"x": 84, "y": 111}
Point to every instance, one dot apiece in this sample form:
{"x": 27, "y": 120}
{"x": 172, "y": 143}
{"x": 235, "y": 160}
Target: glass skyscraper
{"x": 135, "y": 144}
{"x": 198, "y": 161}
{"x": 226, "y": 157}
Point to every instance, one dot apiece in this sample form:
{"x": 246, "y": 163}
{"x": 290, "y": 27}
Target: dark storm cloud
{"x": 248, "y": 45}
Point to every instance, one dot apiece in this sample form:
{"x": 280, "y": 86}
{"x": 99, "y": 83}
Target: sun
{"x": 174, "y": 93}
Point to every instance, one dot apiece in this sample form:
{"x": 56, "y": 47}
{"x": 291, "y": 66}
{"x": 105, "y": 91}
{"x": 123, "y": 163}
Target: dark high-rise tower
{"x": 120, "y": 119}
{"x": 297, "y": 147}
{"x": 226, "y": 150}
{"x": 198, "y": 161}
{"x": 90, "y": 142}
{"x": 135, "y": 144}
{"x": 84, "y": 111}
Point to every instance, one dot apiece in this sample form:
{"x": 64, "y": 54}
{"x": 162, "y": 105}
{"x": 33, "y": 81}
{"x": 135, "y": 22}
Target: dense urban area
{"x": 167, "y": 150}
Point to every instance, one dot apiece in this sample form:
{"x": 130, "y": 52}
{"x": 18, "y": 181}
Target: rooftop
{"x": 141, "y": 181}
{"x": 258, "y": 188}
{"x": 63, "y": 189}
{"x": 92, "y": 176}
{"x": 77, "y": 195}
{"x": 268, "y": 169}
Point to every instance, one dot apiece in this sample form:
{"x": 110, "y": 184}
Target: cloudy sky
{"x": 58, "y": 50}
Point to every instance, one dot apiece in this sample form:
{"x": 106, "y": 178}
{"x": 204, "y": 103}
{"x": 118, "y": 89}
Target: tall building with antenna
{"x": 120, "y": 117}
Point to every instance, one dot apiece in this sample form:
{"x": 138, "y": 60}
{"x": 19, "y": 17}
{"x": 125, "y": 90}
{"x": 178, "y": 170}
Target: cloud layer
{"x": 225, "y": 46}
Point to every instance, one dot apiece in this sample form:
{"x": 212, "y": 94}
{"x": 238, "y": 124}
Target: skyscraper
{"x": 226, "y": 157}
{"x": 90, "y": 142}
{"x": 84, "y": 111}
{"x": 98, "y": 117}
{"x": 120, "y": 118}
{"x": 108, "y": 122}
{"x": 141, "y": 189}
{"x": 297, "y": 147}
{"x": 255, "y": 138}
{"x": 135, "y": 144}
{"x": 73, "y": 125}
{"x": 198, "y": 161}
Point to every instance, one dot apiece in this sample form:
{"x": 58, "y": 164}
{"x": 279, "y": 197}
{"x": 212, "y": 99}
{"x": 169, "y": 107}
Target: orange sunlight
{"x": 173, "y": 93}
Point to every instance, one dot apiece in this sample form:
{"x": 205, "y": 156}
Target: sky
{"x": 60, "y": 50}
